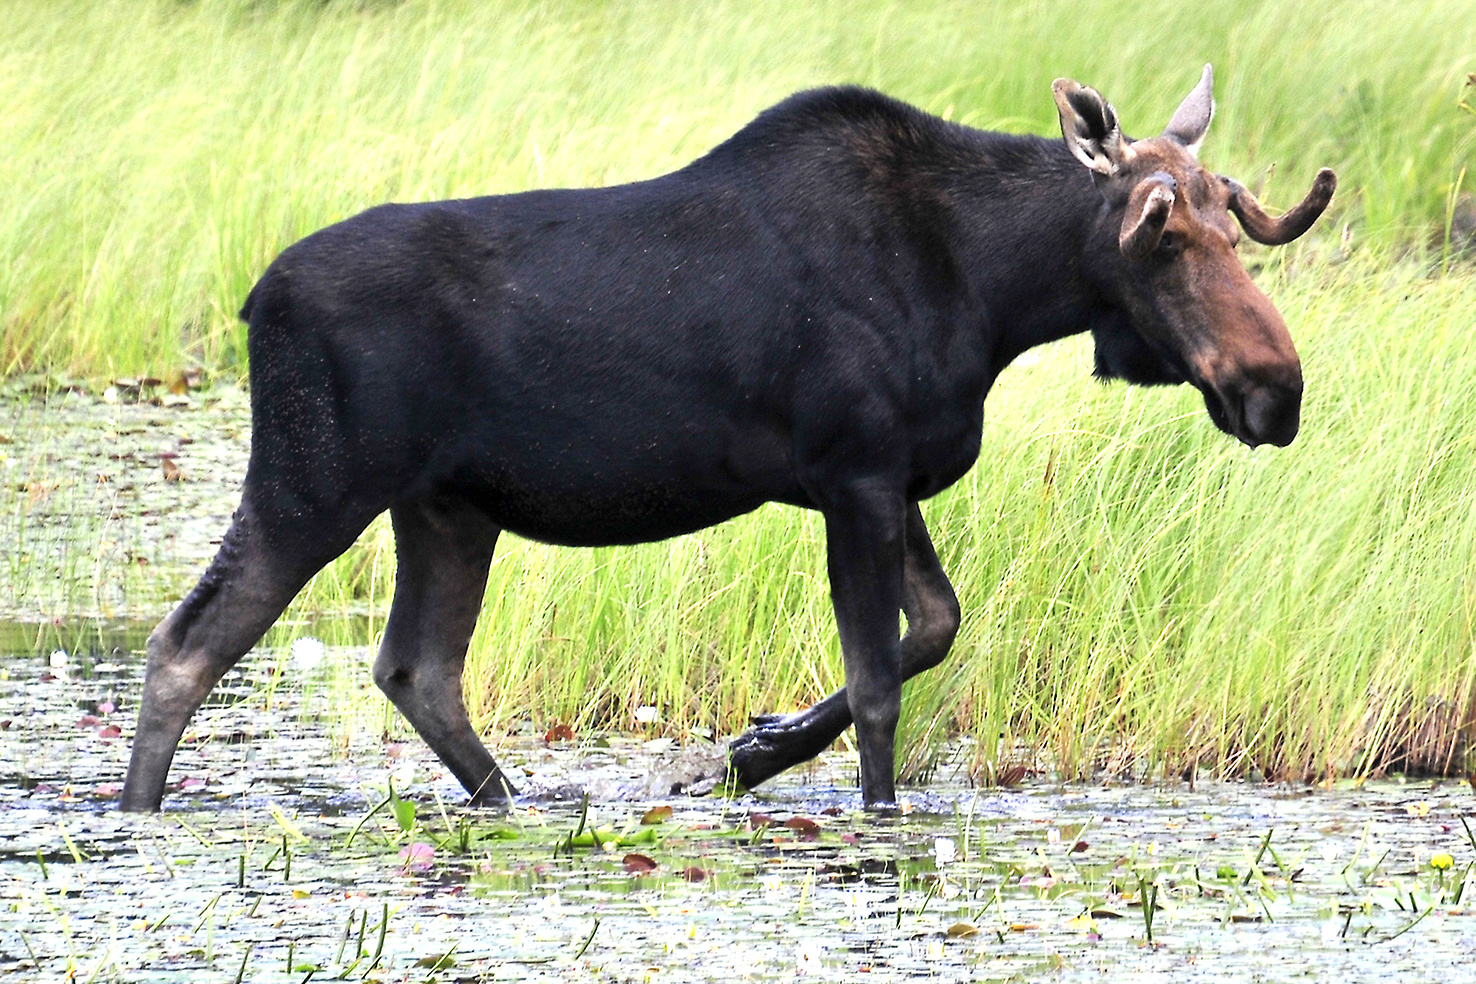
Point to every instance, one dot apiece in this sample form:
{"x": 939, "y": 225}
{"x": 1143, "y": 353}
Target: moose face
{"x": 1163, "y": 254}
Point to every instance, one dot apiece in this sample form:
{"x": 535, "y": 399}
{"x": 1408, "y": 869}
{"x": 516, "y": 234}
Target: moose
{"x": 812, "y": 313}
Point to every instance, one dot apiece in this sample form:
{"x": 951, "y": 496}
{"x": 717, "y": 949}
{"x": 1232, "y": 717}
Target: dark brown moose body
{"x": 812, "y": 313}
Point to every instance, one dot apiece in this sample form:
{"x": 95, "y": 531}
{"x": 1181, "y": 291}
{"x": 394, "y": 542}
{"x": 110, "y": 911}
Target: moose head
{"x": 1162, "y": 252}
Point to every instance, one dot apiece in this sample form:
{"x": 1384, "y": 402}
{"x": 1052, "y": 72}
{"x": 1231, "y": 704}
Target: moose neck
{"x": 1025, "y": 222}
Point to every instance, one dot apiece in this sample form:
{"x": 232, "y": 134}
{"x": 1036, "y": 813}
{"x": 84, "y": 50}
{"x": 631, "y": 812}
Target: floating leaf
{"x": 559, "y": 732}
{"x": 436, "y": 960}
{"x": 758, "y": 821}
{"x": 638, "y": 864}
{"x": 961, "y": 930}
{"x": 1082, "y": 923}
{"x": 803, "y": 826}
{"x": 656, "y": 814}
{"x": 694, "y": 874}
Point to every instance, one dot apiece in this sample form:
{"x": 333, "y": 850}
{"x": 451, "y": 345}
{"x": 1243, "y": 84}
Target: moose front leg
{"x": 777, "y": 742}
{"x": 865, "y": 531}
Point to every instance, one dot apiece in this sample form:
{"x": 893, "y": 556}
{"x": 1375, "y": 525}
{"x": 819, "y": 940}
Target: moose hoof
{"x": 497, "y": 795}
{"x": 773, "y": 744}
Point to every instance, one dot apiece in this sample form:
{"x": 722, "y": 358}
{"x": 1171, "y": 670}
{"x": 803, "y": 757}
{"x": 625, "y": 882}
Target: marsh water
{"x": 305, "y": 837}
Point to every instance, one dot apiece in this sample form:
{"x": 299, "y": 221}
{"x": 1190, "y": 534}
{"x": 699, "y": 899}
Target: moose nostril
{"x": 1273, "y": 414}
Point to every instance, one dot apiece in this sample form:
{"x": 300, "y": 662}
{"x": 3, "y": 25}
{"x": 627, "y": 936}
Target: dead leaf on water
{"x": 961, "y": 930}
{"x": 638, "y": 864}
{"x": 803, "y": 826}
{"x": 656, "y": 814}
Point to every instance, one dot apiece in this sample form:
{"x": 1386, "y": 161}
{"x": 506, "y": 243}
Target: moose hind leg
{"x": 443, "y": 550}
{"x": 259, "y": 568}
{"x": 777, "y": 742}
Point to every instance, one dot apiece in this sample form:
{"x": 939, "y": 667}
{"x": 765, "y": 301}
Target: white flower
{"x": 945, "y": 850}
{"x": 1330, "y": 850}
{"x": 645, "y": 714}
{"x": 307, "y": 653}
{"x": 807, "y": 957}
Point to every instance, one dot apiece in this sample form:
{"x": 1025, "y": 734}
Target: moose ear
{"x": 1089, "y": 125}
{"x": 1192, "y": 119}
{"x": 1148, "y": 210}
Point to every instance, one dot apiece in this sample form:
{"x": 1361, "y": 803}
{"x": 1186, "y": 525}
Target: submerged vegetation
{"x": 1141, "y": 595}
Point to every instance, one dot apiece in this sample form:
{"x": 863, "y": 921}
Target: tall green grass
{"x": 159, "y": 154}
{"x": 1139, "y": 590}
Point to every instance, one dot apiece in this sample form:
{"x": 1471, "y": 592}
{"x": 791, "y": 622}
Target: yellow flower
{"x": 1442, "y": 862}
